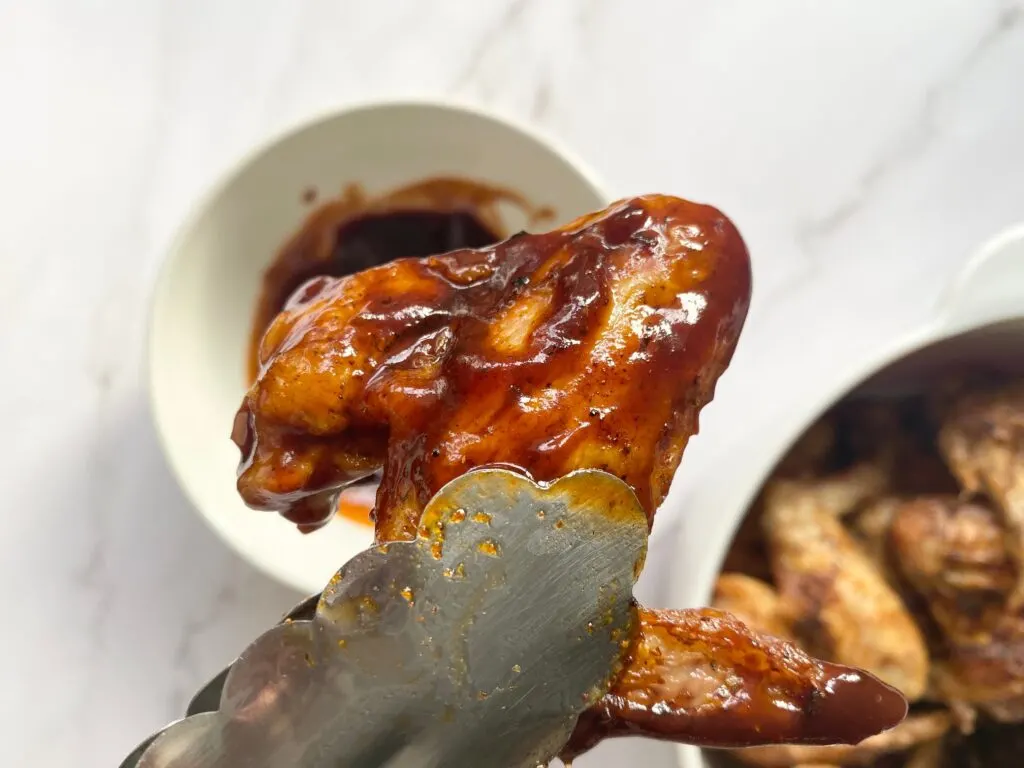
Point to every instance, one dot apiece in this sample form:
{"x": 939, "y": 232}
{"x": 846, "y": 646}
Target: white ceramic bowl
{"x": 980, "y": 322}
{"x": 206, "y": 296}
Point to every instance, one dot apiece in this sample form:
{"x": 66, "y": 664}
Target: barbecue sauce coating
{"x": 355, "y": 232}
{"x": 593, "y": 346}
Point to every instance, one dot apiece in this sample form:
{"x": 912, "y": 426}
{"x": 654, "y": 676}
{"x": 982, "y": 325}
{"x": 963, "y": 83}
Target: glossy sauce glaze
{"x": 702, "y": 677}
{"x": 355, "y": 232}
{"x": 595, "y": 345}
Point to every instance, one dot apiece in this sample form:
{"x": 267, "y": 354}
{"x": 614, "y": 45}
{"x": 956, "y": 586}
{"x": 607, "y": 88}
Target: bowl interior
{"x": 204, "y": 303}
{"x": 997, "y": 348}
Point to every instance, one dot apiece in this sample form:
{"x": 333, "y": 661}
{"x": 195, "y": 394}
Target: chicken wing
{"x": 702, "y": 677}
{"x": 842, "y": 492}
{"x": 836, "y": 591}
{"x": 982, "y": 439}
{"x": 593, "y": 346}
{"x": 954, "y": 554}
{"x": 759, "y": 605}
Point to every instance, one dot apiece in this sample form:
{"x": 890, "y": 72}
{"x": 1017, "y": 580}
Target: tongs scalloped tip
{"x": 483, "y": 640}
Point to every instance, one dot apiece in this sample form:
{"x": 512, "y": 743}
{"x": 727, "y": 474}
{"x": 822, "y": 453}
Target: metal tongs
{"x": 480, "y": 643}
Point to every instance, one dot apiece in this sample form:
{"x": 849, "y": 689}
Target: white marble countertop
{"x": 863, "y": 149}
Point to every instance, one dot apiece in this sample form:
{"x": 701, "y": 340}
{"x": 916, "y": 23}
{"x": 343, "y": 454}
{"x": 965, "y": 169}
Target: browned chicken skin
{"x": 593, "y": 346}
{"x": 955, "y": 554}
{"x": 764, "y": 609}
{"x": 982, "y": 439}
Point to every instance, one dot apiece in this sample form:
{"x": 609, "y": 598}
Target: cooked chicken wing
{"x": 954, "y": 554}
{"x": 842, "y": 492}
{"x": 759, "y": 605}
{"x": 703, "y": 677}
{"x": 942, "y": 526}
{"x": 982, "y": 439}
{"x": 594, "y": 346}
{"x": 836, "y": 592}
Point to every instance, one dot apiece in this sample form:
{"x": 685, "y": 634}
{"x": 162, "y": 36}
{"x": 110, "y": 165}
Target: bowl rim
{"x": 216, "y": 185}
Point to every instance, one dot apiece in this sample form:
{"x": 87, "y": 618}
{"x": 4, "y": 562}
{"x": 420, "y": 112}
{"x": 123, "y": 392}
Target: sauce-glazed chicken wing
{"x": 982, "y": 440}
{"x": 763, "y": 609}
{"x": 593, "y": 346}
{"x": 955, "y": 554}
